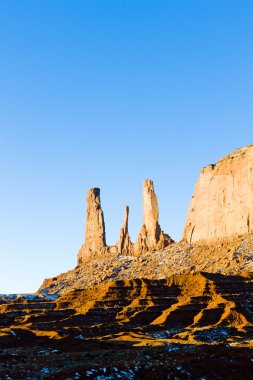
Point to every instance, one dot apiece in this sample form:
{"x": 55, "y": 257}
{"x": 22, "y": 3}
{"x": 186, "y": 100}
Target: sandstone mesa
{"x": 222, "y": 203}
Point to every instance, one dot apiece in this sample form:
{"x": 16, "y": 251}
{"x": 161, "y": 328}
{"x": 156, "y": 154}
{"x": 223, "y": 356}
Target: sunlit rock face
{"x": 95, "y": 227}
{"x": 151, "y": 236}
{"x": 222, "y": 203}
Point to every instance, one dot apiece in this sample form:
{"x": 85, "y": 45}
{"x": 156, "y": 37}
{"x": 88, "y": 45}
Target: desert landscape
{"x": 153, "y": 309}
{"x": 126, "y": 191}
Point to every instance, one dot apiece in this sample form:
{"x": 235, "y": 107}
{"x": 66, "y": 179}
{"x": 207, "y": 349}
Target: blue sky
{"x": 105, "y": 94}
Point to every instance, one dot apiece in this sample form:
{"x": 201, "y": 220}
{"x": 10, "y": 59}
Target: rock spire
{"x": 124, "y": 244}
{"x": 151, "y": 236}
{"x": 94, "y": 228}
{"x": 222, "y": 203}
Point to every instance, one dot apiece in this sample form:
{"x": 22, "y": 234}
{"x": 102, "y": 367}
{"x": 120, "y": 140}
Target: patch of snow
{"x": 29, "y": 296}
{"x": 91, "y": 372}
{"x": 51, "y": 297}
{"x": 79, "y": 337}
{"x": 171, "y": 347}
{"x": 45, "y": 370}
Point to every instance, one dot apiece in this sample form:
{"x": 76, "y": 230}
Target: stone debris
{"x": 177, "y": 258}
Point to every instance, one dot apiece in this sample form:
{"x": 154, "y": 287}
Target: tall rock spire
{"x": 95, "y": 228}
{"x": 124, "y": 244}
{"x": 150, "y": 213}
{"x": 151, "y": 236}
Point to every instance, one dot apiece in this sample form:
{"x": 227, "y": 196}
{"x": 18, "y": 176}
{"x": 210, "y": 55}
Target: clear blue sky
{"x": 98, "y": 93}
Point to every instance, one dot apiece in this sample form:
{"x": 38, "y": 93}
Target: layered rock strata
{"x": 151, "y": 236}
{"x": 195, "y": 326}
{"x": 222, "y": 203}
{"x": 196, "y": 303}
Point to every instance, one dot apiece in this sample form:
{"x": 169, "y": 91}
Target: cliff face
{"x": 222, "y": 204}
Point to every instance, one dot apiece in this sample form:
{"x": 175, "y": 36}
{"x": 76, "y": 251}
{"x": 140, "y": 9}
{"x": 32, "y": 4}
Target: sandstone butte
{"x": 222, "y": 203}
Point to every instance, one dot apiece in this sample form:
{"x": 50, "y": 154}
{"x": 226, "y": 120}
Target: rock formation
{"x": 220, "y": 216}
{"x": 95, "y": 228}
{"x": 151, "y": 236}
{"x": 124, "y": 244}
{"x": 222, "y": 204}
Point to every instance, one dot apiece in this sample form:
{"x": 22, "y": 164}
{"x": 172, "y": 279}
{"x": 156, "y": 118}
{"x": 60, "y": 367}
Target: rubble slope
{"x": 178, "y": 258}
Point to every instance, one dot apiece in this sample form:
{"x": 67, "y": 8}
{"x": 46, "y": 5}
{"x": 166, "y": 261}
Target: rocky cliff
{"x": 222, "y": 203}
